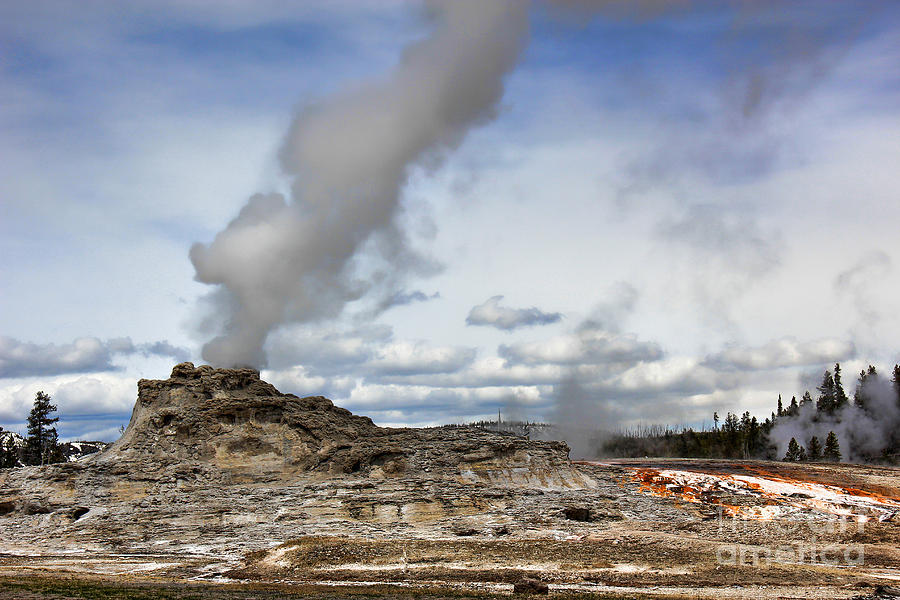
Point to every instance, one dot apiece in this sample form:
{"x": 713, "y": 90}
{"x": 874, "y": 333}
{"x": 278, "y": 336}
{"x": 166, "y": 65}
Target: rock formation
{"x": 220, "y": 458}
{"x": 230, "y": 421}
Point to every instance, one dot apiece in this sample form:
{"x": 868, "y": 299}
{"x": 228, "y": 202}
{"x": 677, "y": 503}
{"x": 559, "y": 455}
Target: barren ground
{"x": 756, "y": 530}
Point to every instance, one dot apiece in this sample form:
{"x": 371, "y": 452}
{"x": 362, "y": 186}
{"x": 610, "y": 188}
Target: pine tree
{"x": 866, "y": 379}
{"x": 832, "y": 452}
{"x": 815, "y": 449}
{"x": 746, "y": 424}
{"x": 3, "y": 455}
{"x": 793, "y": 451}
{"x": 859, "y": 399}
{"x": 731, "y": 431}
{"x": 840, "y": 396}
{"x": 794, "y": 408}
{"x": 825, "y": 403}
{"x": 896, "y": 381}
{"x": 806, "y": 399}
{"x": 780, "y": 408}
{"x": 42, "y": 443}
{"x": 8, "y": 452}
{"x": 802, "y": 456}
{"x": 754, "y": 437}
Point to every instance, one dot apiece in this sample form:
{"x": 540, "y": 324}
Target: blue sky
{"x": 707, "y": 195}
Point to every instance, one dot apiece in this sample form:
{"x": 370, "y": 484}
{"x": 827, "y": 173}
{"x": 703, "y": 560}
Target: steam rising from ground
{"x": 296, "y": 259}
{"x": 581, "y": 419}
{"x": 862, "y": 433}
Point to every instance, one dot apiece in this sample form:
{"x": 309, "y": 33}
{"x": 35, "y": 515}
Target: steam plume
{"x": 863, "y": 433}
{"x": 294, "y": 259}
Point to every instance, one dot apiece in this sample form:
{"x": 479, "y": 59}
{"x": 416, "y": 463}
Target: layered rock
{"x": 232, "y": 421}
{"x": 219, "y": 459}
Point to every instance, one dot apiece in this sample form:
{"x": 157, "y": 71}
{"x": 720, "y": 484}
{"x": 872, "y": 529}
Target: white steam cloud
{"x": 295, "y": 259}
{"x": 863, "y": 432}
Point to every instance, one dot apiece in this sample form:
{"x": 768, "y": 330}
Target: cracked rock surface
{"x": 219, "y": 462}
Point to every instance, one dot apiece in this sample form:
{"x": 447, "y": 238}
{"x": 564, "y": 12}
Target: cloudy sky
{"x": 570, "y": 210}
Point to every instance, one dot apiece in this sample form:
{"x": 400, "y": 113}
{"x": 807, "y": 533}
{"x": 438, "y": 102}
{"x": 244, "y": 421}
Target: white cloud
{"x": 484, "y": 372}
{"x": 22, "y": 358}
{"x": 325, "y": 348}
{"x": 682, "y": 375}
{"x": 490, "y": 313}
{"x": 98, "y": 394}
{"x": 589, "y": 346}
{"x": 784, "y": 352}
{"x": 391, "y": 405}
{"x": 406, "y": 358}
{"x": 297, "y": 380}
{"x": 83, "y": 355}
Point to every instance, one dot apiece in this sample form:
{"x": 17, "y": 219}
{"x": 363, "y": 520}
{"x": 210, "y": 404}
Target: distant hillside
{"x": 71, "y": 450}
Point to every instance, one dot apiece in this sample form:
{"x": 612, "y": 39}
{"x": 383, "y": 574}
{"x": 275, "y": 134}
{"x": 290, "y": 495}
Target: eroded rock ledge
{"x": 220, "y": 458}
{"x": 232, "y": 421}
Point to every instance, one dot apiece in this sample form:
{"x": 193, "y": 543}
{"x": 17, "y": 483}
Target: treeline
{"x": 41, "y": 446}
{"x": 830, "y": 453}
{"x": 868, "y": 425}
{"x": 736, "y": 437}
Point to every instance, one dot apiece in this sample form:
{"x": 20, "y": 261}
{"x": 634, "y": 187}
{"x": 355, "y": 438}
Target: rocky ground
{"x": 222, "y": 481}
